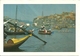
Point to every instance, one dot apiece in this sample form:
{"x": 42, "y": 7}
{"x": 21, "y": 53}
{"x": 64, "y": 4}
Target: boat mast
{"x": 16, "y": 12}
{"x": 16, "y": 17}
{"x": 42, "y": 11}
{"x": 42, "y": 15}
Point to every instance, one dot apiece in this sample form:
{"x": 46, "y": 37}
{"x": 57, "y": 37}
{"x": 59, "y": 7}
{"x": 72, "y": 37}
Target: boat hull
{"x": 15, "y": 33}
{"x": 45, "y": 33}
{"x": 15, "y": 43}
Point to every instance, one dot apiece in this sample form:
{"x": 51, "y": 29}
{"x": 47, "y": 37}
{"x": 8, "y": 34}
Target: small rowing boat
{"x": 14, "y": 43}
{"x": 44, "y": 31}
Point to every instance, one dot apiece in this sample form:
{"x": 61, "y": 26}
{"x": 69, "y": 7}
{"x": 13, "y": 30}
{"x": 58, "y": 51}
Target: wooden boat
{"x": 15, "y": 33}
{"x": 45, "y": 33}
{"x": 14, "y": 43}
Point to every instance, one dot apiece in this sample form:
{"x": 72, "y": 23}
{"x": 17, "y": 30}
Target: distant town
{"x": 56, "y": 21}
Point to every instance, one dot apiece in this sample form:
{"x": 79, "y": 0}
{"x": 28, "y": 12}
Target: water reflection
{"x": 40, "y": 47}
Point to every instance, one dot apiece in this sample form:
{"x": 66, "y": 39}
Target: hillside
{"x": 56, "y": 21}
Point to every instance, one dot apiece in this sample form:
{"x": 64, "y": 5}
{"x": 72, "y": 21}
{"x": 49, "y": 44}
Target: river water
{"x": 60, "y": 41}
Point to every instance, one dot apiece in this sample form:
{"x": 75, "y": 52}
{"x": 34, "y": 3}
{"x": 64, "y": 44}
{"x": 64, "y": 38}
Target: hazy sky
{"x": 31, "y": 11}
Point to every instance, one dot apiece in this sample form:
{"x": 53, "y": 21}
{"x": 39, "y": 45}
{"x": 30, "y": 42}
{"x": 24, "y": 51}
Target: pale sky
{"x": 31, "y": 11}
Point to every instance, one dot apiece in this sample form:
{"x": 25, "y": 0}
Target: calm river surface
{"x": 60, "y": 41}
